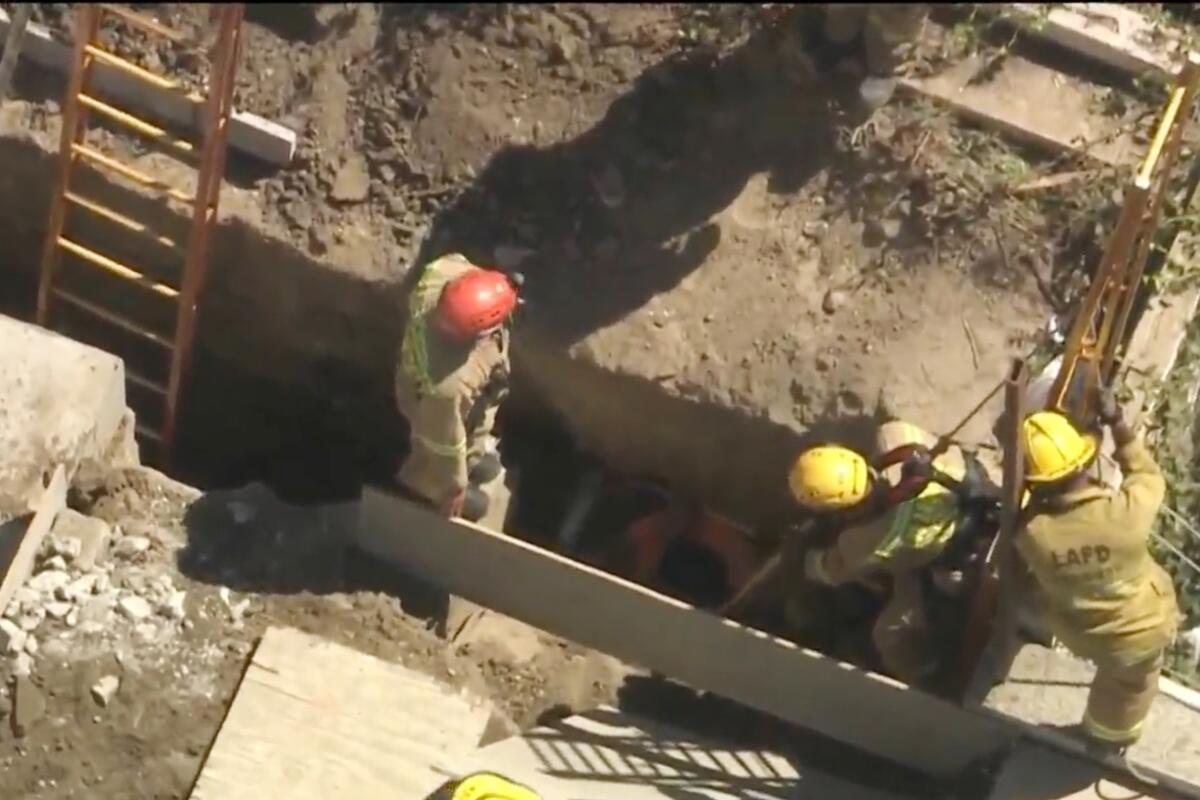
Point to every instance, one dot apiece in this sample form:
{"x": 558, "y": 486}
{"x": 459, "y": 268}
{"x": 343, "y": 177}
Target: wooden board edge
{"x": 53, "y": 500}
{"x": 1018, "y": 133}
{"x": 248, "y": 133}
{"x": 739, "y": 663}
{"x": 1065, "y": 27}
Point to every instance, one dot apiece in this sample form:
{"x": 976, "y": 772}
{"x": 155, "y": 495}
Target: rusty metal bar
{"x": 111, "y": 318}
{"x": 1189, "y": 76}
{"x": 118, "y": 218}
{"x": 141, "y": 126}
{"x": 144, "y": 382}
{"x": 218, "y": 107}
{"x": 988, "y": 641}
{"x": 74, "y": 120}
{"x": 148, "y": 24}
{"x": 130, "y": 68}
{"x": 117, "y": 268}
{"x": 132, "y": 174}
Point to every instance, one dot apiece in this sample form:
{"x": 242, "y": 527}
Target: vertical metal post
{"x": 74, "y": 122}
{"x": 215, "y": 124}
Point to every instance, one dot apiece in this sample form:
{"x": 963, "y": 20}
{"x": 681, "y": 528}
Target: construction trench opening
{"x": 651, "y": 349}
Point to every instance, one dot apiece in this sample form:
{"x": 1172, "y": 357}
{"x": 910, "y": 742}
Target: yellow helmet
{"x": 828, "y": 477}
{"x": 1054, "y": 448}
{"x": 489, "y": 786}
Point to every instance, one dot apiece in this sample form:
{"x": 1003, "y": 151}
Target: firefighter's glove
{"x": 1107, "y": 409}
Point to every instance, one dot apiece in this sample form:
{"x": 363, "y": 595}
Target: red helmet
{"x": 474, "y": 302}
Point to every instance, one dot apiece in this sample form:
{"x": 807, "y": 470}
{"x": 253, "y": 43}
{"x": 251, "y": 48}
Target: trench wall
{"x": 292, "y": 375}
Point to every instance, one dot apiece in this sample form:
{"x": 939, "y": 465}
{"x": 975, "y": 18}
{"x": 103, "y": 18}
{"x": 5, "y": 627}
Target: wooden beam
{"x": 53, "y": 500}
{"x": 1029, "y": 103}
{"x": 248, "y": 133}
{"x": 1110, "y": 33}
{"x": 598, "y": 610}
{"x": 314, "y": 720}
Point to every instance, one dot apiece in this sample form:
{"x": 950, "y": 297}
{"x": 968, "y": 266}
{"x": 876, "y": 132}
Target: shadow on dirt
{"x": 623, "y": 212}
{"x": 251, "y": 541}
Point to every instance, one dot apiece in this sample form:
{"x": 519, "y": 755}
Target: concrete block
{"x": 61, "y": 402}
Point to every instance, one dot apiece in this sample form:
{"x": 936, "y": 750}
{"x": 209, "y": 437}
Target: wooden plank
{"x": 608, "y": 754}
{"x": 1110, "y": 33}
{"x": 1161, "y": 331}
{"x": 248, "y": 133}
{"x": 1031, "y": 104}
{"x": 598, "y": 610}
{"x": 314, "y": 720}
{"x": 53, "y": 500}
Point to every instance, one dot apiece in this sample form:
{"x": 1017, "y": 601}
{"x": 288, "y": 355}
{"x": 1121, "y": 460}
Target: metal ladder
{"x": 134, "y": 312}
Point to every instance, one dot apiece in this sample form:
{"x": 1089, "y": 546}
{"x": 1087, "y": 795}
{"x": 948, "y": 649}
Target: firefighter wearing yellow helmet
{"x": 898, "y": 542}
{"x": 484, "y": 786}
{"x": 1086, "y": 545}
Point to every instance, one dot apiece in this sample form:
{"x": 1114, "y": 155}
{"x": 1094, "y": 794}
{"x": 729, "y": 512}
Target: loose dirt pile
{"x": 133, "y": 659}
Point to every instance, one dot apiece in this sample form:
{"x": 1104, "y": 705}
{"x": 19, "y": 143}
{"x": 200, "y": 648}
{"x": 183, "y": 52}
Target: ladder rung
{"x": 130, "y": 121}
{"x": 130, "y": 68}
{"x": 149, "y": 433}
{"x": 142, "y": 21}
{"x": 132, "y": 174}
{"x": 120, "y": 219}
{"x": 118, "y": 269}
{"x": 144, "y": 382}
{"x": 113, "y": 319}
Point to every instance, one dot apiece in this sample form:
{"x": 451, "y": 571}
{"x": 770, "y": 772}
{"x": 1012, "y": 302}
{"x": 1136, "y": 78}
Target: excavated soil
{"x": 720, "y": 262}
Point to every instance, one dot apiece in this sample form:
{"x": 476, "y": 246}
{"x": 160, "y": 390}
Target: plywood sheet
{"x": 1031, "y": 103}
{"x": 1037, "y": 772}
{"x": 313, "y": 720}
{"x": 708, "y": 652}
{"x": 611, "y": 755}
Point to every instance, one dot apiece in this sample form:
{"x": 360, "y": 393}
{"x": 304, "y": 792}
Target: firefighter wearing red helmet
{"x": 451, "y": 376}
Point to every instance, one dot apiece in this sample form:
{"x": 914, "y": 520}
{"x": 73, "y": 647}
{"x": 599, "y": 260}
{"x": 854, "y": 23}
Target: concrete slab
{"x": 1049, "y": 688}
{"x": 61, "y": 403}
{"x": 611, "y": 755}
{"x": 1034, "y": 772}
{"x": 630, "y": 622}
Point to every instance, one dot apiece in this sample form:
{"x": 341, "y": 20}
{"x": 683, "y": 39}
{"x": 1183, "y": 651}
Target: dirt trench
{"x": 720, "y": 267}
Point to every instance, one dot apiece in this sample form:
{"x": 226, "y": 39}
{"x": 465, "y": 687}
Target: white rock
{"x": 103, "y": 583}
{"x": 97, "y": 609}
{"x": 72, "y": 618}
{"x": 13, "y": 610}
{"x": 104, "y": 689}
{"x": 79, "y": 588}
{"x": 31, "y": 645}
{"x": 58, "y": 610}
{"x": 130, "y": 546}
{"x": 26, "y": 596}
{"x": 91, "y": 627}
{"x": 49, "y": 581}
{"x": 12, "y": 638}
{"x": 147, "y": 631}
{"x": 55, "y": 564}
{"x": 173, "y": 608}
{"x": 22, "y": 665}
{"x": 66, "y": 547}
{"x": 134, "y": 607}
{"x": 30, "y": 620}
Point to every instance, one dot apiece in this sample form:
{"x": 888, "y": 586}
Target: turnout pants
{"x": 1120, "y": 699}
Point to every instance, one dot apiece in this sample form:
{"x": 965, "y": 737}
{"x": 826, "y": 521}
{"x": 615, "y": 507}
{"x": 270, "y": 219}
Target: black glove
{"x": 1107, "y": 410}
